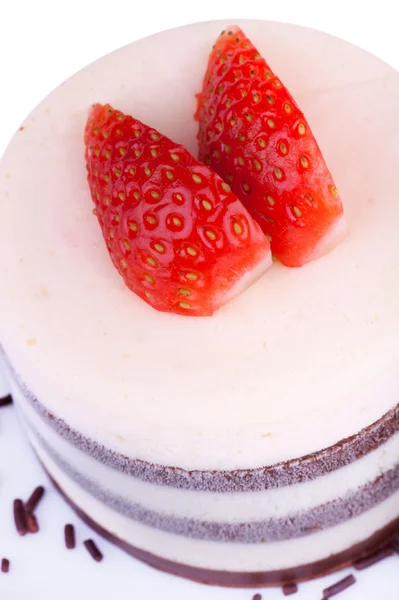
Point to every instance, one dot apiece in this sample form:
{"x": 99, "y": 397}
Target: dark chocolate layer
{"x": 282, "y": 474}
{"x": 378, "y": 540}
{"x": 297, "y": 524}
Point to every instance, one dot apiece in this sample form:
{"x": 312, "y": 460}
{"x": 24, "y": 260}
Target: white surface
{"x": 292, "y": 365}
{"x": 43, "y": 570}
{"x": 40, "y": 45}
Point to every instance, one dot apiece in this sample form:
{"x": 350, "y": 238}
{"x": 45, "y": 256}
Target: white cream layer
{"x": 236, "y": 507}
{"x": 227, "y": 556}
{"x": 302, "y": 359}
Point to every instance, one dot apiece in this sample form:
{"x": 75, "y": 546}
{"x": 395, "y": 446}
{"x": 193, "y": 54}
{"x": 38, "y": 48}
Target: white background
{"x": 41, "y": 44}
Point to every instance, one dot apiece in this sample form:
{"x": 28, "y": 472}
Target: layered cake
{"x": 259, "y": 445}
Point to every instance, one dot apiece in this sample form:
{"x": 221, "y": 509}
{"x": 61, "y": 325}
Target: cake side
{"x": 306, "y": 468}
{"x": 232, "y": 556}
{"x": 371, "y": 546}
{"x": 281, "y": 527}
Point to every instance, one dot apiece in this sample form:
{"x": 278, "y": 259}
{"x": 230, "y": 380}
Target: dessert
{"x": 256, "y": 446}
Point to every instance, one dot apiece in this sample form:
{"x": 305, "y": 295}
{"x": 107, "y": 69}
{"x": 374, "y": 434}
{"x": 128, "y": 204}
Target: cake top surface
{"x": 300, "y": 360}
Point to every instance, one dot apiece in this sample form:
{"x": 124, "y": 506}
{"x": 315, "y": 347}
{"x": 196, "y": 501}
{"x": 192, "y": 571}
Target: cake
{"x": 256, "y": 446}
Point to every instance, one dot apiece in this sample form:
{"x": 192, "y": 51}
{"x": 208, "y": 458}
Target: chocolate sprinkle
{"x": 364, "y": 563}
{"x": 20, "y": 517}
{"x": 289, "y": 589}
{"x": 69, "y": 535}
{"x": 338, "y": 587}
{"x": 34, "y": 499}
{"x": 257, "y": 597}
{"x": 93, "y": 550}
{"x": 31, "y": 521}
{"x": 6, "y": 401}
{"x": 395, "y": 545}
{"x": 5, "y": 565}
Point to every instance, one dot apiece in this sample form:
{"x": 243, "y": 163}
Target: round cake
{"x": 256, "y": 446}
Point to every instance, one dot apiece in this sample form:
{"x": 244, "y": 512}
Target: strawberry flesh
{"x": 252, "y": 133}
{"x": 179, "y": 237}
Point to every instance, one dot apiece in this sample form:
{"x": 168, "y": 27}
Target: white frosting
{"x": 236, "y": 507}
{"x": 302, "y": 359}
{"x": 229, "y": 556}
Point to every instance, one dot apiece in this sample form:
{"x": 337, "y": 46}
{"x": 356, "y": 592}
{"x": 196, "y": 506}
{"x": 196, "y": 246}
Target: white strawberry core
{"x": 337, "y": 232}
{"x": 248, "y": 278}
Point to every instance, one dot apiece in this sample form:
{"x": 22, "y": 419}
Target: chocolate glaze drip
{"x": 282, "y": 474}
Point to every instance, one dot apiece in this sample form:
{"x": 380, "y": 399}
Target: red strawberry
{"x": 177, "y": 234}
{"x": 256, "y": 138}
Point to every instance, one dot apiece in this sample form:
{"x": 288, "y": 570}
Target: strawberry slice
{"x": 179, "y": 237}
{"x": 253, "y": 134}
